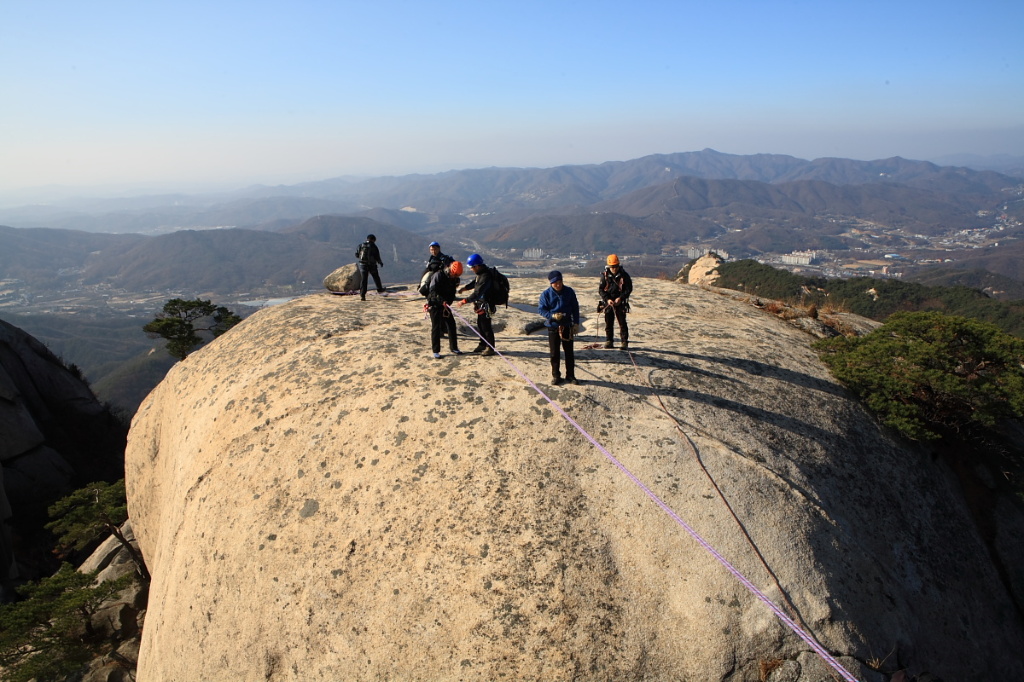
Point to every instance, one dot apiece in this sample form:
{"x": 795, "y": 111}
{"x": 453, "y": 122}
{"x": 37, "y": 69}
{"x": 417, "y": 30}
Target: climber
{"x": 616, "y": 286}
{"x": 480, "y": 298}
{"x": 559, "y": 305}
{"x": 440, "y": 294}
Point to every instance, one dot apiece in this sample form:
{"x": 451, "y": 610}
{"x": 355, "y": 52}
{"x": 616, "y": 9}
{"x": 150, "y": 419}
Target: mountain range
{"x": 283, "y": 236}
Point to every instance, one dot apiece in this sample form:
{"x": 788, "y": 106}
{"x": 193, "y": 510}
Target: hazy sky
{"x": 241, "y": 92}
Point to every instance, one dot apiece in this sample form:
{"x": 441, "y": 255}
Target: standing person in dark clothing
{"x": 559, "y": 305}
{"x": 440, "y": 295}
{"x": 437, "y": 259}
{"x": 616, "y": 286}
{"x": 481, "y": 287}
{"x": 369, "y": 260}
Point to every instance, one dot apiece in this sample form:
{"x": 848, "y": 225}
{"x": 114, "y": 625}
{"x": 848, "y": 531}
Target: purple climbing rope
{"x": 779, "y": 613}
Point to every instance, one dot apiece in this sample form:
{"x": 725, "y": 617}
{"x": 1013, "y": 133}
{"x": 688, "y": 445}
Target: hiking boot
{"x": 480, "y": 349}
{"x": 625, "y": 345}
{"x": 573, "y": 381}
{"x": 609, "y": 344}
{"x": 557, "y": 381}
{"x": 362, "y": 298}
{"x": 456, "y": 351}
{"x": 437, "y": 356}
{"x": 487, "y": 351}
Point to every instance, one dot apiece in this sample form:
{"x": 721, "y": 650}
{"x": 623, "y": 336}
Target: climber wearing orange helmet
{"x": 616, "y": 286}
{"x": 440, "y": 294}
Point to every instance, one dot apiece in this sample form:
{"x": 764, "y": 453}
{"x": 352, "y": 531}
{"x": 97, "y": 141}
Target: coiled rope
{"x": 763, "y": 598}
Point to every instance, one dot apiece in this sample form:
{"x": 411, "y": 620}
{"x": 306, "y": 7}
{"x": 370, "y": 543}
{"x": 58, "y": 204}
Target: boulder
{"x": 318, "y": 498}
{"x": 345, "y": 278}
{"x": 704, "y": 270}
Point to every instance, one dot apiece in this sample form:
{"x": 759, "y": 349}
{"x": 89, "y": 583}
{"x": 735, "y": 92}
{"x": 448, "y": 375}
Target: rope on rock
{"x": 721, "y": 495}
{"x": 763, "y": 598}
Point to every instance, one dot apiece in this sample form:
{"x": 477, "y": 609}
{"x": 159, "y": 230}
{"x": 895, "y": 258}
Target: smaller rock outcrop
{"x": 704, "y": 270}
{"x": 345, "y": 278}
{"x": 119, "y": 619}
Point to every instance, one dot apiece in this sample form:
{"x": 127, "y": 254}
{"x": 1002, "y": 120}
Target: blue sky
{"x": 241, "y": 92}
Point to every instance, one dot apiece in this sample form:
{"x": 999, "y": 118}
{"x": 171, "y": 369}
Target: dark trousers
{"x": 483, "y": 325}
{"x": 441, "y": 321}
{"x": 612, "y": 313}
{"x": 365, "y": 270}
{"x": 555, "y": 341}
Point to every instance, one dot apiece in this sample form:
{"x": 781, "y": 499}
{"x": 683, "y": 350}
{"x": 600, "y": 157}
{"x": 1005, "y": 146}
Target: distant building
{"x": 698, "y": 251}
{"x": 533, "y": 254}
{"x": 799, "y": 258}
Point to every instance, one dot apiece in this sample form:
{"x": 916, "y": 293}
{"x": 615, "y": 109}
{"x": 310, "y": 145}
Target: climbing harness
{"x": 763, "y": 598}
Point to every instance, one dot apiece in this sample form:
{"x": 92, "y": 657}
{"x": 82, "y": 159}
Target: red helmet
{"x": 455, "y": 268}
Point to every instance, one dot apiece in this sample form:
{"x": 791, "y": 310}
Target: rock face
{"x": 345, "y": 278}
{"x": 704, "y": 270}
{"x": 55, "y": 435}
{"x": 319, "y": 499}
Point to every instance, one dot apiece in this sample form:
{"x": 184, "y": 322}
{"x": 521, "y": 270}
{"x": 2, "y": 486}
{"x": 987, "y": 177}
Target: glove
{"x": 462, "y": 302}
{"x": 575, "y": 329}
{"x": 558, "y": 317}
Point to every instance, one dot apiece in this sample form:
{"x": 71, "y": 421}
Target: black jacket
{"x": 441, "y": 288}
{"x": 615, "y": 286}
{"x": 439, "y": 261}
{"x": 481, "y": 287}
{"x": 369, "y": 254}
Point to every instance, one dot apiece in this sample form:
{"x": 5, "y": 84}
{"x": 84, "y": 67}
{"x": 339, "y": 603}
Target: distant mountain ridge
{"x": 491, "y": 190}
{"x": 288, "y": 236}
{"x": 234, "y": 260}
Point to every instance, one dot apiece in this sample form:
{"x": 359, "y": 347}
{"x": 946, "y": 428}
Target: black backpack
{"x": 363, "y": 253}
{"x": 498, "y": 294}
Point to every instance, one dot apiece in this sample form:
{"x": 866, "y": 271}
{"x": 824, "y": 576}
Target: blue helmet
{"x": 474, "y": 260}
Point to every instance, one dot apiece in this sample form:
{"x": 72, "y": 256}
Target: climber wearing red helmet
{"x": 440, "y": 294}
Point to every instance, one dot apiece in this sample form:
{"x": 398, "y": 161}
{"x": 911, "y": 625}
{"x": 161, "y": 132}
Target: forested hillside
{"x": 873, "y": 298}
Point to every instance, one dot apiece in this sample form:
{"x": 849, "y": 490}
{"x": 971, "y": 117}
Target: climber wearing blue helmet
{"x": 479, "y": 298}
{"x": 437, "y": 259}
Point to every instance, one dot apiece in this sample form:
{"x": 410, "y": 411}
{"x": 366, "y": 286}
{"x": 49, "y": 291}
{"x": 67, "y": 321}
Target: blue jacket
{"x": 552, "y": 302}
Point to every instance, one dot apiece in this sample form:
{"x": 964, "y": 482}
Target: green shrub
{"x": 931, "y": 375}
{"x": 177, "y": 323}
{"x": 92, "y": 513}
{"x": 49, "y": 635}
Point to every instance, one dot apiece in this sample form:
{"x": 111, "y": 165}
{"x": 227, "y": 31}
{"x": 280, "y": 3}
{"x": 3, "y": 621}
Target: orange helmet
{"x": 612, "y": 260}
{"x": 455, "y": 268}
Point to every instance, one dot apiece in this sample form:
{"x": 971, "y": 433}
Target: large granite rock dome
{"x": 319, "y": 499}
